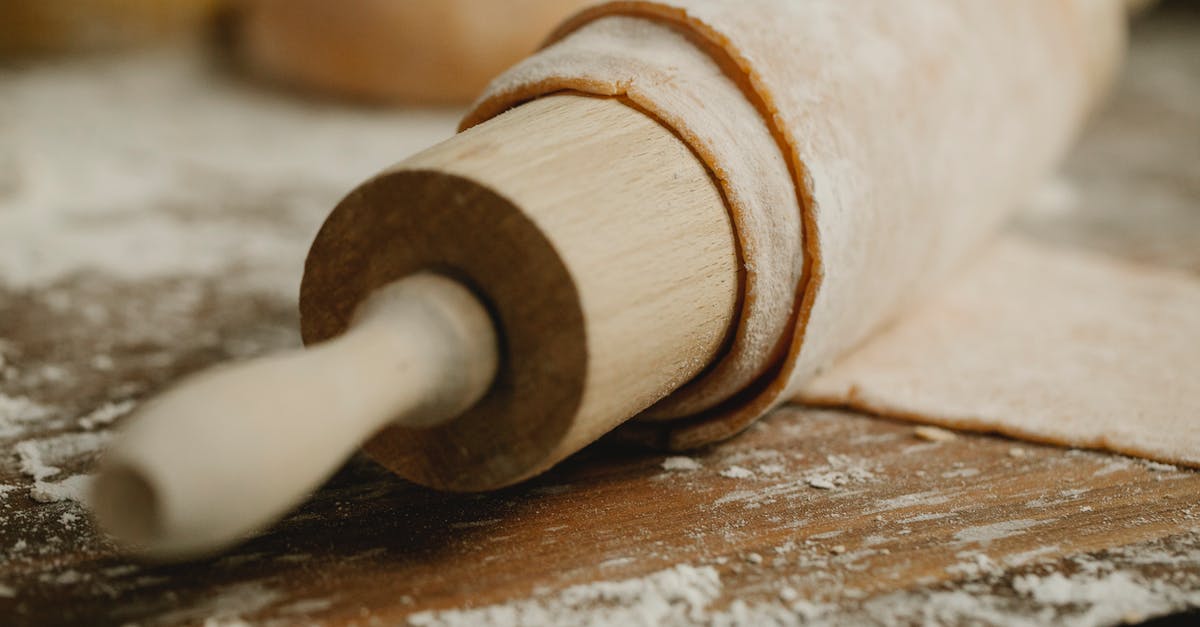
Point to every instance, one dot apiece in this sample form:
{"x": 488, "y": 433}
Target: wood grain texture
{"x": 599, "y": 242}
{"x": 371, "y": 549}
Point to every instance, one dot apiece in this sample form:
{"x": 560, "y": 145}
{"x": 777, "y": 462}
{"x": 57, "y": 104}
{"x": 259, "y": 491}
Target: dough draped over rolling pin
{"x": 902, "y": 139}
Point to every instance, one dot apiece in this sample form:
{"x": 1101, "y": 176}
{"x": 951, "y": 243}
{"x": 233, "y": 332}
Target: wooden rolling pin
{"x": 497, "y": 302}
{"x": 515, "y": 293}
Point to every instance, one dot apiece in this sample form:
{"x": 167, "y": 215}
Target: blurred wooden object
{"x": 48, "y": 26}
{"x": 406, "y": 51}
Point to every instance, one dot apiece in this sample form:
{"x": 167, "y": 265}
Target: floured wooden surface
{"x": 812, "y": 515}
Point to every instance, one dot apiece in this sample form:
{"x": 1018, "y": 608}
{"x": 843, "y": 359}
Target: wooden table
{"x": 812, "y": 516}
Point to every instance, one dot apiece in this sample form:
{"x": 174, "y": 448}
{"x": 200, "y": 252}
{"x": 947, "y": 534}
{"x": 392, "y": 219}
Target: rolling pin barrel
{"x": 584, "y": 267}
{"x": 599, "y": 241}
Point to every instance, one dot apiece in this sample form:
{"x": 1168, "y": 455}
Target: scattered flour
{"x": 73, "y": 488}
{"x": 685, "y": 595}
{"x": 821, "y": 482}
{"x": 226, "y": 606}
{"x": 681, "y": 463}
{"x": 771, "y": 469}
{"x": 29, "y": 455}
{"x": 1158, "y": 466}
{"x": 106, "y": 414}
{"x": 677, "y": 596}
{"x": 1116, "y": 597}
{"x": 837, "y": 478}
{"x": 984, "y": 534}
{"x": 40, "y": 458}
{"x": 737, "y": 472}
{"x": 914, "y": 499}
{"x": 16, "y": 414}
{"x": 135, "y": 198}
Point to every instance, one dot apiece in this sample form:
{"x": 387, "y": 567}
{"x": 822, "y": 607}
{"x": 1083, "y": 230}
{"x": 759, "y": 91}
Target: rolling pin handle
{"x": 228, "y": 451}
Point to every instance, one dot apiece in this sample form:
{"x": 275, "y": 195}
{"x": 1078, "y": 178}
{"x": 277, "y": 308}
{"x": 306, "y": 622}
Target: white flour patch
{"x": 677, "y": 596}
{"x": 771, "y": 469}
{"x": 155, "y": 177}
{"x": 739, "y": 496}
{"x": 29, "y": 456}
{"x": 106, "y": 414}
{"x": 17, "y": 414}
{"x": 984, "y": 534}
{"x": 680, "y": 463}
{"x": 1158, "y": 466}
{"x": 226, "y": 604}
{"x": 925, "y": 517}
{"x": 737, "y": 472}
{"x": 915, "y": 499}
{"x": 40, "y": 459}
{"x": 1019, "y": 559}
{"x": 1118, "y": 597}
{"x": 821, "y": 482}
{"x": 73, "y": 488}
{"x": 1114, "y": 465}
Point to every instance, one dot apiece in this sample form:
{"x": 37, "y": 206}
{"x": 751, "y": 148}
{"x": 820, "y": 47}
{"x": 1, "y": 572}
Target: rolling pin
{"x": 627, "y": 220}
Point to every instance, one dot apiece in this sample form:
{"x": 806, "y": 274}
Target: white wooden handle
{"x": 228, "y": 451}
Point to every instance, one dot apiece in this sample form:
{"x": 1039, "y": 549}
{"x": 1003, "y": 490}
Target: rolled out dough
{"x": 906, "y": 139}
{"x": 1049, "y": 345}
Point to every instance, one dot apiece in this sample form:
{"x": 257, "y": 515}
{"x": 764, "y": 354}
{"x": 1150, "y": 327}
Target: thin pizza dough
{"x": 866, "y": 155}
{"x": 1043, "y": 344}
